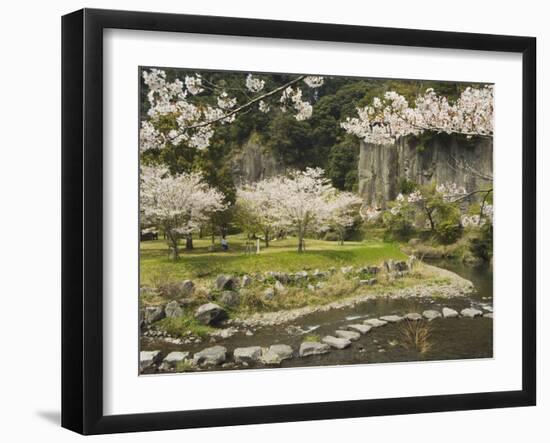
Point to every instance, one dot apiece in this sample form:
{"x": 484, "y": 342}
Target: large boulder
{"x": 152, "y": 314}
{"x": 148, "y": 359}
{"x": 300, "y": 275}
{"x": 373, "y": 270}
{"x": 390, "y": 266}
{"x": 336, "y": 342}
{"x": 269, "y": 293}
{"x": 282, "y": 277}
{"x": 210, "y": 314}
{"x": 214, "y": 355}
{"x": 275, "y": 354}
{"x": 173, "y": 309}
{"x": 349, "y": 335}
{"x": 251, "y": 354}
{"x": 226, "y": 283}
{"x": 172, "y": 359}
{"x": 470, "y": 312}
{"x": 401, "y": 266}
{"x": 230, "y": 298}
{"x": 279, "y": 287}
{"x": 246, "y": 281}
{"x": 313, "y": 348}
{"x": 183, "y": 288}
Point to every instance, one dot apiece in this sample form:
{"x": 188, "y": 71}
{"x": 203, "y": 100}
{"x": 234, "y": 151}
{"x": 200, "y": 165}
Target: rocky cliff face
{"x": 253, "y": 162}
{"x": 443, "y": 159}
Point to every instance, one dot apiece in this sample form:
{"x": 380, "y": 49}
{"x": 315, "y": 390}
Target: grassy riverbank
{"x": 200, "y": 264}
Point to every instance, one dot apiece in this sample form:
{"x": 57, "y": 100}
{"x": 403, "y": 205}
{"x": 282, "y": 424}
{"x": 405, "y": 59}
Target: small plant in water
{"x": 416, "y": 335}
{"x": 312, "y": 338}
{"x": 184, "y": 366}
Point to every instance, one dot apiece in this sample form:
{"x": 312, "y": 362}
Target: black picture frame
{"x": 82, "y": 218}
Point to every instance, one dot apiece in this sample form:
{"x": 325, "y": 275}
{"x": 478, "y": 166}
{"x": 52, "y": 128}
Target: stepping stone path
{"x": 276, "y": 354}
{"x": 431, "y": 314}
{"x": 391, "y": 318}
{"x": 250, "y": 354}
{"x": 489, "y": 315}
{"x": 148, "y": 359}
{"x": 470, "y": 312}
{"x": 171, "y": 360}
{"x": 449, "y": 313}
{"x": 375, "y": 323}
{"x": 338, "y": 343}
{"x": 210, "y": 356}
{"x": 349, "y": 335}
{"x": 413, "y": 316}
{"x": 362, "y": 329}
{"x": 313, "y": 348}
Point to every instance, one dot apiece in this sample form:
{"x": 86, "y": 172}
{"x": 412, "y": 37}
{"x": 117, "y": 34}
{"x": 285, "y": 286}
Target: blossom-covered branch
{"x": 193, "y": 121}
{"x": 390, "y": 118}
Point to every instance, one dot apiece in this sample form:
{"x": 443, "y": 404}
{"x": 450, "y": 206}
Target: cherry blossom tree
{"x": 389, "y": 118}
{"x": 343, "y": 209}
{"x": 176, "y": 114}
{"x": 179, "y": 204}
{"x": 257, "y": 208}
{"x": 302, "y": 199}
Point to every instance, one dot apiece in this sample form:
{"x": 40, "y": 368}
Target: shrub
{"x": 399, "y": 226}
{"x": 481, "y": 245}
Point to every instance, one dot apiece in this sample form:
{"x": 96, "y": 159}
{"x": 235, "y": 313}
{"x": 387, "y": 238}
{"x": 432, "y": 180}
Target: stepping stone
{"x": 250, "y": 354}
{"x": 313, "y": 348}
{"x": 172, "y": 359}
{"x": 375, "y": 323}
{"x": 276, "y": 354}
{"x": 487, "y": 308}
{"x": 214, "y": 355}
{"x": 470, "y": 312}
{"x": 413, "y": 316}
{"x": 391, "y": 318}
{"x": 431, "y": 314}
{"x": 148, "y": 359}
{"x": 362, "y": 329}
{"x": 338, "y": 343}
{"x": 350, "y": 335}
{"x": 488, "y": 315}
{"x": 449, "y": 313}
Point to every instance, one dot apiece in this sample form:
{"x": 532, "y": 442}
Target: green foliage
{"x": 312, "y": 338}
{"x": 481, "y": 245}
{"x": 399, "y": 226}
{"x": 201, "y": 264}
{"x": 448, "y": 230}
{"x": 182, "y": 326}
{"x": 406, "y": 186}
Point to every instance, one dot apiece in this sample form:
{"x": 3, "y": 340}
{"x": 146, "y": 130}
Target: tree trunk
{"x": 266, "y": 239}
{"x": 432, "y": 225}
{"x": 189, "y": 242}
{"x": 301, "y": 245}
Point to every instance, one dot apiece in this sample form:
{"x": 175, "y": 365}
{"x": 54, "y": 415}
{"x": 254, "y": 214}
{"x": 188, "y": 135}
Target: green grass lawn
{"x": 201, "y": 264}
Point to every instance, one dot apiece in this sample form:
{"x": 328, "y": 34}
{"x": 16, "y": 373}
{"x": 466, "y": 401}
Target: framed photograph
{"x": 270, "y": 221}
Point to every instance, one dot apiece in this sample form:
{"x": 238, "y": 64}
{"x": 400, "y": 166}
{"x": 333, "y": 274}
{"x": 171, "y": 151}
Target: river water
{"x": 451, "y": 338}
